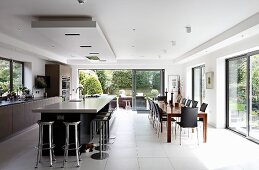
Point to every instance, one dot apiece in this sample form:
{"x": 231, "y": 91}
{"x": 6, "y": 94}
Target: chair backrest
{"x": 189, "y": 117}
{"x": 158, "y": 113}
{"x": 152, "y": 108}
{"x": 203, "y": 107}
{"x": 161, "y": 98}
{"x": 188, "y": 103}
{"x": 184, "y": 101}
{"x": 194, "y": 103}
{"x": 149, "y": 103}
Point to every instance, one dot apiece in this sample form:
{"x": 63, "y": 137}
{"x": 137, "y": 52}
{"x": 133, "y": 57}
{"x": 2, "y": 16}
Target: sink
{"x": 75, "y": 100}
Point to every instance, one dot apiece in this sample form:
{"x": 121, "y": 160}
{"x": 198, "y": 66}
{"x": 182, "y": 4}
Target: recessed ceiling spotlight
{"x": 81, "y": 1}
{"x": 20, "y": 28}
{"x": 173, "y": 43}
{"x": 188, "y": 29}
{"x": 134, "y": 29}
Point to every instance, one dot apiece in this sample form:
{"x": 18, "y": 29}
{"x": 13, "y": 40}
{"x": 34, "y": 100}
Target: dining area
{"x": 184, "y": 114}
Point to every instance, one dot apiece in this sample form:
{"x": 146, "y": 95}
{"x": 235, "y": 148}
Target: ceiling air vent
{"x": 72, "y": 34}
{"x": 85, "y": 46}
{"x": 93, "y": 58}
{"x": 94, "y": 53}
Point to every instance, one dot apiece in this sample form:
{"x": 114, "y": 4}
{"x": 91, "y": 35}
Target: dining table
{"x": 173, "y": 111}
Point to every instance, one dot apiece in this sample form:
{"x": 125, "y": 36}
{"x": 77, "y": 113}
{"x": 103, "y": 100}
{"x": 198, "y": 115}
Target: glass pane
{"x": 115, "y": 82}
{"x": 238, "y": 94}
{"x": 148, "y": 84}
{"x": 4, "y": 77}
{"x": 254, "y": 112}
{"x": 17, "y": 76}
{"x": 203, "y": 83}
{"x": 197, "y": 84}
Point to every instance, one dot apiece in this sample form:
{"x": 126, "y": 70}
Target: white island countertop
{"x": 89, "y": 105}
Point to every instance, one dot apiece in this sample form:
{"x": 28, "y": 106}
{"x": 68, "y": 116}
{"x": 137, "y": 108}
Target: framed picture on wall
{"x": 209, "y": 80}
{"x": 173, "y": 83}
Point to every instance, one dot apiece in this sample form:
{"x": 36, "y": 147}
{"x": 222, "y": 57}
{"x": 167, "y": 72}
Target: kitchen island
{"x": 71, "y": 111}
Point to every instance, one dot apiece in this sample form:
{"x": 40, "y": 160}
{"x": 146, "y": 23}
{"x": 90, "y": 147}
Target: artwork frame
{"x": 209, "y": 80}
{"x": 173, "y": 83}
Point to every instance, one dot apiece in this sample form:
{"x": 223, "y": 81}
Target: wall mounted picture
{"x": 173, "y": 83}
{"x": 209, "y": 80}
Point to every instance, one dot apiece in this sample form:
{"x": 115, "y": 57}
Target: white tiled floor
{"x": 137, "y": 147}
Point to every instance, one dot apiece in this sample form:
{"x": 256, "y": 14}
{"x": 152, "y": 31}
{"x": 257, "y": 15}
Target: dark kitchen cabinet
{"x": 18, "y": 117}
{"x": 28, "y": 114}
{"x": 5, "y": 121}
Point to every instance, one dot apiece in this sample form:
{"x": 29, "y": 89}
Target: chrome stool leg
{"x": 41, "y": 145}
{"x": 67, "y": 145}
{"x": 100, "y": 155}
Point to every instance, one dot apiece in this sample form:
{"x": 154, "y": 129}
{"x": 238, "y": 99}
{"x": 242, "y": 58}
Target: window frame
{"x": 248, "y": 86}
{"x": 193, "y": 78}
{"x": 11, "y": 62}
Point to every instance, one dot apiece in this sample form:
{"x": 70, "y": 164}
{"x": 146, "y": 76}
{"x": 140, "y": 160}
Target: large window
{"x": 243, "y": 95}
{"x": 11, "y": 76}
{"x": 198, "y": 84}
{"x": 131, "y": 85}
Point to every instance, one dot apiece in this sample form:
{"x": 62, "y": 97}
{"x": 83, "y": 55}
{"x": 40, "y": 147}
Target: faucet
{"x": 80, "y": 88}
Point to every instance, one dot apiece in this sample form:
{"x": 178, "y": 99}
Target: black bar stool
{"x": 45, "y": 146}
{"x": 100, "y": 121}
{"x": 71, "y": 146}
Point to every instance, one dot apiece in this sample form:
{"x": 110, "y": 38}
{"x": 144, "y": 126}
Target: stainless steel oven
{"x": 65, "y": 87}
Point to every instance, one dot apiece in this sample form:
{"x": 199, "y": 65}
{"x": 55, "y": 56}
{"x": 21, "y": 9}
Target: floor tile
{"x": 155, "y": 164}
{"x": 137, "y": 146}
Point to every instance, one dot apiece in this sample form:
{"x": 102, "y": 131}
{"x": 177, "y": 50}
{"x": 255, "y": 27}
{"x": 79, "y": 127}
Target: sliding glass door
{"x": 254, "y": 99}
{"x": 146, "y": 83}
{"x": 237, "y": 94}
{"x": 198, "y": 84}
{"x": 132, "y": 87}
{"x": 243, "y": 95}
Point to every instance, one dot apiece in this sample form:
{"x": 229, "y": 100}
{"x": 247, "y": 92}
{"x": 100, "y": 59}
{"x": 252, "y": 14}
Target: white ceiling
{"x": 156, "y": 24}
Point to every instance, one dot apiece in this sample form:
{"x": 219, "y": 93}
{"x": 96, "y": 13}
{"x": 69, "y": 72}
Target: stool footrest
{"x": 72, "y": 148}
{"x": 44, "y": 148}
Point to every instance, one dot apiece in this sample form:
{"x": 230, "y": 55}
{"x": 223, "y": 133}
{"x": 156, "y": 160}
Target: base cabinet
{"x": 5, "y": 121}
{"x": 17, "y": 117}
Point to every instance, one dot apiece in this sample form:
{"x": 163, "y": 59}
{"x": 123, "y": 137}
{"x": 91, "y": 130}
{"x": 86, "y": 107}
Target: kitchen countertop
{"x": 11, "y": 102}
{"x": 89, "y": 105}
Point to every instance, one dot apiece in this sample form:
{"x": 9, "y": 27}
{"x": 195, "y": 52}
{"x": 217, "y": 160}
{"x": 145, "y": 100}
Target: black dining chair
{"x": 188, "y": 120}
{"x": 188, "y": 103}
{"x": 184, "y": 101}
{"x": 161, "y": 117}
{"x": 194, "y": 103}
{"x": 161, "y": 98}
{"x": 203, "y": 109}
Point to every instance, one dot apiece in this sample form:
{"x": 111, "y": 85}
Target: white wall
{"x": 33, "y": 66}
{"x": 170, "y": 69}
{"x": 215, "y": 62}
